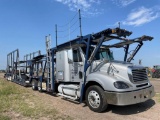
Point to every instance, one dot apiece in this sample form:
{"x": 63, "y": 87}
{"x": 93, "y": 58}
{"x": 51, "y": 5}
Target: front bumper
{"x": 129, "y": 98}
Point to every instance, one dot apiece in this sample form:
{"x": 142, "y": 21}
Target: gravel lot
{"x": 149, "y": 110}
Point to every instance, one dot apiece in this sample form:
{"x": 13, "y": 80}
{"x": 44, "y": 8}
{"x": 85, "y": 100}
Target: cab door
{"x": 76, "y": 66}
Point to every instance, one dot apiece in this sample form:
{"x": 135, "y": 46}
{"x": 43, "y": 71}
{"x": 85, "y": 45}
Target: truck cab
{"x": 108, "y": 81}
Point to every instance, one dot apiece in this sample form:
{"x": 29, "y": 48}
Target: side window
{"x": 77, "y": 56}
{"x": 70, "y": 56}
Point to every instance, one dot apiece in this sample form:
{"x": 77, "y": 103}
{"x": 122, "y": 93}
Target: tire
{"x": 24, "y": 78}
{"x": 24, "y": 83}
{"x": 12, "y": 78}
{"x": 34, "y": 85}
{"x": 95, "y": 99}
{"x": 39, "y": 86}
{"x": 9, "y": 78}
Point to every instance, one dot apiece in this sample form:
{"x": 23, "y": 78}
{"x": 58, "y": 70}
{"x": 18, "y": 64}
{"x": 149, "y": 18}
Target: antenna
{"x": 56, "y": 34}
{"x": 80, "y": 22}
{"x": 69, "y": 32}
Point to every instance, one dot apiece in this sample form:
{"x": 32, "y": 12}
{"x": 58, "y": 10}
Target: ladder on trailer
{"x": 49, "y": 63}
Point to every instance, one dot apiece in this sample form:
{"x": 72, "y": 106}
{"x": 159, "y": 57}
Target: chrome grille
{"x": 139, "y": 75}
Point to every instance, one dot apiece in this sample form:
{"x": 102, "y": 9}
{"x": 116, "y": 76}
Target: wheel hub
{"x": 94, "y": 99}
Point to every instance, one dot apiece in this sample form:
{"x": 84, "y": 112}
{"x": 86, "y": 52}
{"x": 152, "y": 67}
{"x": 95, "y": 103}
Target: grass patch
{"x": 2, "y": 117}
{"x": 22, "y": 101}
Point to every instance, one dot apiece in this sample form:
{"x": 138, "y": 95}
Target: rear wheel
{"x": 39, "y": 86}
{"x": 95, "y": 99}
{"x": 24, "y": 83}
{"x": 24, "y": 78}
{"x": 9, "y": 78}
{"x": 34, "y": 85}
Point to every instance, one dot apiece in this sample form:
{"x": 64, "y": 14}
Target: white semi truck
{"x": 84, "y": 70}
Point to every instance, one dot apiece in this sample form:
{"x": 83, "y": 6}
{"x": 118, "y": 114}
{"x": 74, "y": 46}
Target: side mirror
{"x": 111, "y": 55}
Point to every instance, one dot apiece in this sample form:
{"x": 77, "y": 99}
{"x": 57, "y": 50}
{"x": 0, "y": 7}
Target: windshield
{"x": 103, "y": 53}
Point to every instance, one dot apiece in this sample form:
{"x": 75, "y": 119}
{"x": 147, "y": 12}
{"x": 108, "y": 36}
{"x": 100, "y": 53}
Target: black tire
{"x": 9, "y": 78}
{"x": 39, "y": 86}
{"x": 95, "y": 96}
{"x": 34, "y": 85}
{"x": 24, "y": 83}
{"x": 24, "y": 78}
{"x": 12, "y": 78}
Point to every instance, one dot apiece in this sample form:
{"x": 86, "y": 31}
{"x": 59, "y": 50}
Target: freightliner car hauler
{"x": 84, "y": 69}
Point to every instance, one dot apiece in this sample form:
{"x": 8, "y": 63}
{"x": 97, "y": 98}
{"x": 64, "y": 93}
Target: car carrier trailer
{"x": 12, "y": 58}
{"x": 84, "y": 69}
{"x": 22, "y": 71}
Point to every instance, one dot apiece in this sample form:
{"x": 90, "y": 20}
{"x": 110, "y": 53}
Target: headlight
{"x": 120, "y": 85}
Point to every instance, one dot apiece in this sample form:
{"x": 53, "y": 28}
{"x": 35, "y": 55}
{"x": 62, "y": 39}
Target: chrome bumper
{"x": 129, "y": 98}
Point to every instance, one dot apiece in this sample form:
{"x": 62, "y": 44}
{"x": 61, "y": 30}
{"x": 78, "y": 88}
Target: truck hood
{"x": 119, "y": 69}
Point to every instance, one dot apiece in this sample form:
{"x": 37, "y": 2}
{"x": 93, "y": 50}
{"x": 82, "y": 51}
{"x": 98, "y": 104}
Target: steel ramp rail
{"x": 130, "y": 41}
{"x": 94, "y": 38}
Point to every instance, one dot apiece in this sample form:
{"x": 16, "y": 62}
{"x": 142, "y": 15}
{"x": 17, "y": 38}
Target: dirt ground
{"x": 149, "y": 110}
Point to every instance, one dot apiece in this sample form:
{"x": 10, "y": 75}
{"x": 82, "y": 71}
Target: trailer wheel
{"x": 34, "y": 85}
{"x": 24, "y": 83}
{"x": 9, "y": 78}
{"x": 39, "y": 86}
{"x": 95, "y": 99}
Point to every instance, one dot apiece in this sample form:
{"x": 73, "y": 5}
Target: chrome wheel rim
{"x": 94, "y": 99}
{"x": 39, "y": 86}
{"x": 33, "y": 86}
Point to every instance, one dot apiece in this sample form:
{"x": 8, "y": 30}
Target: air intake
{"x": 139, "y": 75}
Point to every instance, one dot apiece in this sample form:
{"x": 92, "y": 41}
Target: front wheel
{"x": 95, "y": 99}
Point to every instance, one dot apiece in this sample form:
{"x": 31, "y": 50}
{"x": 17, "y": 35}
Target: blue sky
{"x": 25, "y": 23}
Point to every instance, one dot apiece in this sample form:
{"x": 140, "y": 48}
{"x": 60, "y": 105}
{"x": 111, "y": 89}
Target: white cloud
{"x": 95, "y": 1}
{"x": 141, "y": 16}
{"x": 87, "y": 6}
{"x": 123, "y": 3}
